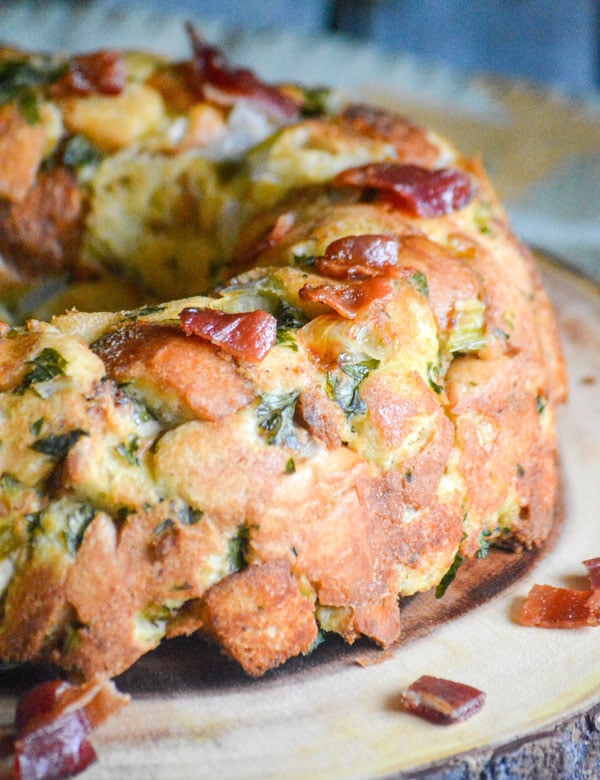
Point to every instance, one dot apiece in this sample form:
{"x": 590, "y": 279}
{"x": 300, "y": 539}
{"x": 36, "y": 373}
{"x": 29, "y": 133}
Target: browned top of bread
{"x": 366, "y": 398}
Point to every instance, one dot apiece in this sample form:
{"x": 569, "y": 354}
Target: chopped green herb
{"x": 319, "y": 639}
{"x": 129, "y": 451}
{"x": 449, "y": 576}
{"x": 289, "y": 319}
{"x": 8, "y": 542}
{"x": 289, "y": 316}
{"x": 433, "y": 375}
{"x": 276, "y": 418}
{"x": 305, "y": 261}
{"x": 183, "y": 586}
{"x": 72, "y": 639}
{"x": 290, "y": 466}
{"x": 520, "y": 470}
{"x": 47, "y": 365}
{"x": 21, "y": 81}
{"x": 166, "y": 525}
{"x": 36, "y": 426}
{"x": 483, "y": 219}
{"x": 122, "y": 513}
{"x": 77, "y": 523}
{"x": 57, "y": 447}
{"x": 33, "y": 522}
{"x": 144, "y": 311}
{"x": 484, "y": 544}
{"x": 238, "y": 548}
{"x": 343, "y": 387}
{"x": 541, "y": 402}
{"x": 317, "y": 101}
{"x": 78, "y": 152}
{"x": 287, "y": 338}
{"x": 420, "y": 283}
{"x": 7, "y": 481}
{"x": 157, "y": 613}
{"x": 191, "y": 516}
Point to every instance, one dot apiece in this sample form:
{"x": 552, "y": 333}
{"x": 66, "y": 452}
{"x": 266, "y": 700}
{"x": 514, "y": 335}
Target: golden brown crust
{"x": 43, "y": 229}
{"x": 164, "y": 475}
{"x": 277, "y": 619}
{"x": 183, "y": 371}
{"x": 21, "y": 152}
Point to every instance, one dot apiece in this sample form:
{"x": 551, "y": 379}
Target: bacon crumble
{"x": 53, "y": 721}
{"x": 422, "y": 192}
{"x": 593, "y": 567}
{"x": 442, "y": 701}
{"x": 246, "y": 335}
{"x": 359, "y": 257}
{"x": 550, "y": 607}
{"x": 348, "y": 300}
{"x": 213, "y": 78}
{"x": 99, "y": 73}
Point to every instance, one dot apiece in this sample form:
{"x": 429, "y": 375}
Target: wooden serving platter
{"x": 337, "y": 713}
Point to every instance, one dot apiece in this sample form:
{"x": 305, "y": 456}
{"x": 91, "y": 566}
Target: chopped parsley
{"x": 319, "y": 639}
{"x": 287, "y": 338}
{"x": 79, "y": 152}
{"x": 541, "y": 403}
{"x": 238, "y": 548}
{"x": 190, "y": 516}
{"x": 129, "y": 451}
{"x": 484, "y": 544}
{"x": 46, "y": 366}
{"x": 317, "y": 101}
{"x": 433, "y": 376}
{"x": 166, "y": 525}
{"x": 449, "y": 576}
{"x": 157, "y": 613}
{"x": 276, "y": 418}
{"x": 343, "y": 387}
{"x": 33, "y": 522}
{"x": 77, "y": 523}
{"x": 36, "y": 426}
{"x": 21, "y": 81}
{"x": 289, "y": 319}
{"x": 8, "y": 542}
{"x": 57, "y": 447}
{"x": 483, "y": 219}
{"x": 290, "y": 466}
{"x": 289, "y": 316}
{"x": 419, "y": 281}
{"x": 305, "y": 261}
{"x": 144, "y": 311}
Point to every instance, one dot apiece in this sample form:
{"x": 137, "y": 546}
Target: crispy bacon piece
{"x": 422, "y": 192}
{"x": 53, "y": 722}
{"x": 442, "y": 701}
{"x": 359, "y": 257}
{"x": 98, "y": 73}
{"x": 550, "y": 607}
{"x": 593, "y": 567}
{"x": 213, "y": 78}
{"x": 347, "y": 300}
{"x": 248, "y": 335}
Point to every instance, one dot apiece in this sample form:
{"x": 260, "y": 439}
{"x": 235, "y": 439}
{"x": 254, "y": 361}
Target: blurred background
{"x": 550, "y": 42}
{"x": 515, "y": 82}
